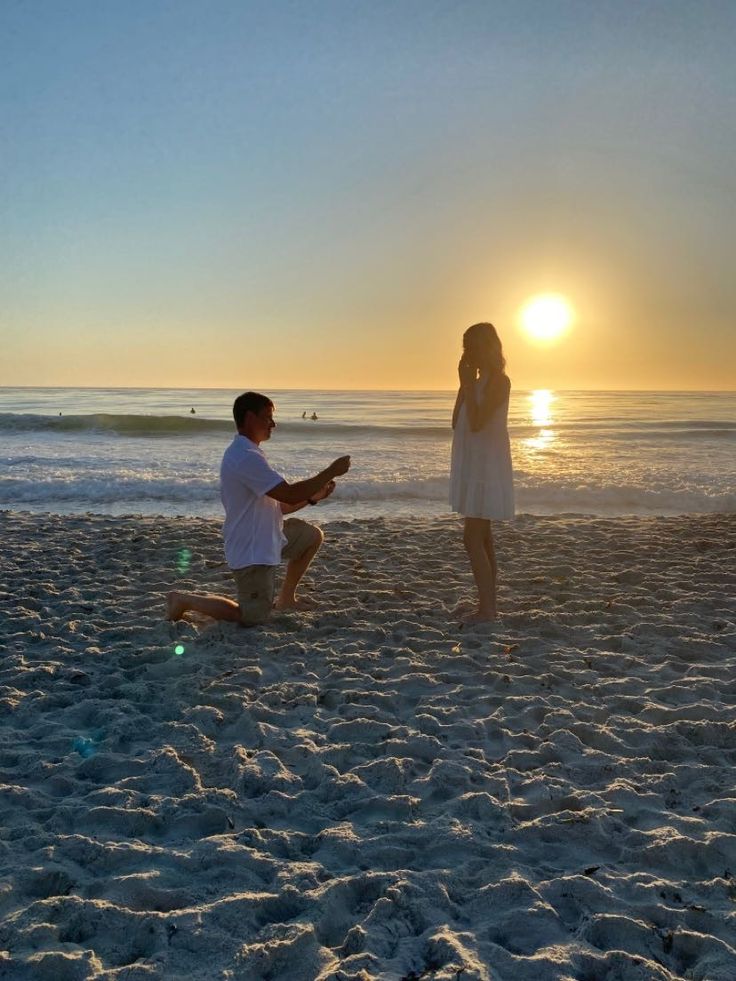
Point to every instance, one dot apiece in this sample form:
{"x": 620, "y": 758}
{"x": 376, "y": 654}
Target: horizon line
{"x": 394, "y": 391}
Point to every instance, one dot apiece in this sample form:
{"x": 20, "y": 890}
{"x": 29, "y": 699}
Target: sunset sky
{"x": 325, "y": 194}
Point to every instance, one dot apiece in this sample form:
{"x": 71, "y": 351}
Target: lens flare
{"x": 85, "y": 747}
{"x": 183, "y": 560}
{"x": 179, "y": 649}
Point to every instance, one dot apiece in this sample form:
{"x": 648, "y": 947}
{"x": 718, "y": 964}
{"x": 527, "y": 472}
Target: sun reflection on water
{"x": 540, "y": 408}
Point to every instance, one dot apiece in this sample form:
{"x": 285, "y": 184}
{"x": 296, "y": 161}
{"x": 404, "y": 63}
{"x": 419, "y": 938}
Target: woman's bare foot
{"x": 481, "y": 616}
{"x": 175, "y": 606}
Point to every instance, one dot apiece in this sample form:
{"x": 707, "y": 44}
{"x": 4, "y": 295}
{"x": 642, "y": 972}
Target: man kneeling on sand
{"x": 256, "y": 497}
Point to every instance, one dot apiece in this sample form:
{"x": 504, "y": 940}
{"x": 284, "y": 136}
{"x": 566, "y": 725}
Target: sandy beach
{"x": 367, "y": 790}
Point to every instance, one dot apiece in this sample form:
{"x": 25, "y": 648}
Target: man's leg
{"x": 218, "y": 607}
{"x": 303, "y": 543}
{"x": 255, "y": 586}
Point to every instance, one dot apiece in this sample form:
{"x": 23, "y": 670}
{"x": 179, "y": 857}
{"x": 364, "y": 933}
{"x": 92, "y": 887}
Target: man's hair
{"x": 249, "y": 402}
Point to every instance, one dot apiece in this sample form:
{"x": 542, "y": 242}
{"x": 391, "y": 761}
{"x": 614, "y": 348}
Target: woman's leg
{"x": 479, "y": 546}
{"x": 489, "y": 546}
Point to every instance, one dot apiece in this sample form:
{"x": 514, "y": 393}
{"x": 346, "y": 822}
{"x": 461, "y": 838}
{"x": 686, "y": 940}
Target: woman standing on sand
{"x": 481, "y": 476}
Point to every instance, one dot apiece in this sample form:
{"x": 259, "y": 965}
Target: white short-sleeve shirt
{"x": 253, "y": 522}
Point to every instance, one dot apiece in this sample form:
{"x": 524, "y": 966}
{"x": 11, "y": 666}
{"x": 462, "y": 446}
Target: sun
{"x": 546, "y": 318}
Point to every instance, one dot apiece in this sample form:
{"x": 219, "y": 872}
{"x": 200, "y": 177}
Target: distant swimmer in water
{"x": 313, "y": 417}
{"x": 304, "y": 414}
{"x": 192, "y": 412}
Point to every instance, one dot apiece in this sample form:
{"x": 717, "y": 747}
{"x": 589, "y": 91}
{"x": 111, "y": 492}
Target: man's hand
{"x": 339, "y": 466}
{"x": 325, "y": 491}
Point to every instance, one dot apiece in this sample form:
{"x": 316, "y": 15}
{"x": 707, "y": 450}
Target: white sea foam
{"x": 201, "y": 496}
{"x": 594, "y": 453}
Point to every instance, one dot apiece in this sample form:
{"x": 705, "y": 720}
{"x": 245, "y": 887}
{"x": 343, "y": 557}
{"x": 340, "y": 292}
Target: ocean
{"x": 142, "y": 451}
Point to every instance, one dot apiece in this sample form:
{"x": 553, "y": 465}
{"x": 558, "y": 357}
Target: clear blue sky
{"x": 326, "y": 193}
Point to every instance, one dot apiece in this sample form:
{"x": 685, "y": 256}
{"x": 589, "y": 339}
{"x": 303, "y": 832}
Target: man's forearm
{"x": 302, "y": 490}
{"x": 291, "y": 508}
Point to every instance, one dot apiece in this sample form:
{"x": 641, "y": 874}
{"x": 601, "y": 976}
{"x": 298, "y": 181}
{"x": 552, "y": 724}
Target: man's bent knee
{"x": 301, "y": 537}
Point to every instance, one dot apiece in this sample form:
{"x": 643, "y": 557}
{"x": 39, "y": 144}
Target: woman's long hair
{"x": 489, "y": 343}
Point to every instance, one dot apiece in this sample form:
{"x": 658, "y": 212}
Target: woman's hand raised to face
{"x": 466, "y": 372}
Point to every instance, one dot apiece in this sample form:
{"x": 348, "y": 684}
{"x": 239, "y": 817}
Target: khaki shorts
{"x": 256, "y": 584}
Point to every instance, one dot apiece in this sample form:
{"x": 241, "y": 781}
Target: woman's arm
{"x": 467, "y": 375}
{"x": 458, "y": 403}
{"x": 494, "y": 394}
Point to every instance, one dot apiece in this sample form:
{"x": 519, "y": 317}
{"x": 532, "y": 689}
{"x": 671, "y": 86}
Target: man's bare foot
{"x": 294, "y": 603}
{"x": 175, "y": 606}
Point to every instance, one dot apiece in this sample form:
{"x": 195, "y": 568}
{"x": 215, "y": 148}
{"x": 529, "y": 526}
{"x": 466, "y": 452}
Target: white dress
{"x": 481, "y": 475}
